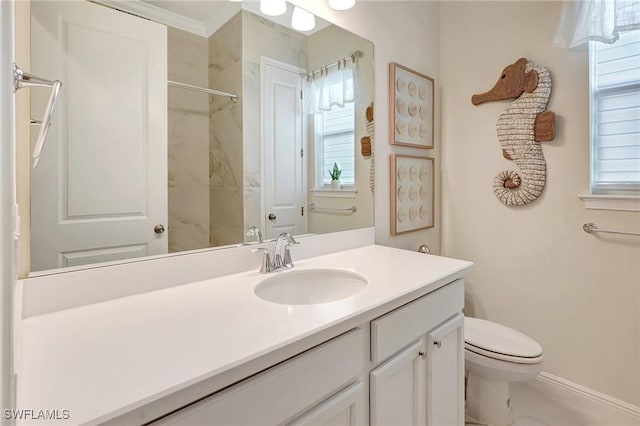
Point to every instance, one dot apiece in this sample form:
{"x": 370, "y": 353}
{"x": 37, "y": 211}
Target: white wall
{"x": 22, "y": 25}
{"x": 7, "y": 195}
{"x": 407, "y": 33}
{"x": 536, "y": 270}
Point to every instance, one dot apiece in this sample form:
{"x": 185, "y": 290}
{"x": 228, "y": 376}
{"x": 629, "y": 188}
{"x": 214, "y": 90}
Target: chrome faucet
{"x": 282, "y": 255}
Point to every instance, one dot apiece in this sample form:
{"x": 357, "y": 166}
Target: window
{"x": 335, "y": 143}
{"x": 615, "y": 115}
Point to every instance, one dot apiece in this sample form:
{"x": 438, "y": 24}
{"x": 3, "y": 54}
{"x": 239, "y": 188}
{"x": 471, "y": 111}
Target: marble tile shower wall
{"x": 188, "y": 145}
{"x": 214, "y": 171}
{"x": 225, "y": 135}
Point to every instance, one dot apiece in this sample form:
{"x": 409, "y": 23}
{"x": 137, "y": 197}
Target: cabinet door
{"x": 398, "y": 389}
{"x": 445, "y": 373}
{"x": 343, "y": 409}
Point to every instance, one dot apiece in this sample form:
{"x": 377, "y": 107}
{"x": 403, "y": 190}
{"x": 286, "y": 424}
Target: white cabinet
{"x": 415, "y": 376}
{"x": 445, "y": 373}
{"x": 398, "y": 388}
{"x": 281, "y": 392}
{"x": 421, "y": 383}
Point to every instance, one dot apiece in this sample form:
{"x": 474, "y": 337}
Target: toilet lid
{"x": 492, "y": 338}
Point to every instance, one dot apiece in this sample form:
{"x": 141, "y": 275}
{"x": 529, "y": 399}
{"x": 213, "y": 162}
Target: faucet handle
{"x": 287, "y": 262}
{"x": 266, "y": 265}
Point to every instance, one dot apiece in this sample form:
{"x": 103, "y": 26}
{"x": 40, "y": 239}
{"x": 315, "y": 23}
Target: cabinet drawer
{"x": 395, "y": 330}
{"x": 281, "y": 392}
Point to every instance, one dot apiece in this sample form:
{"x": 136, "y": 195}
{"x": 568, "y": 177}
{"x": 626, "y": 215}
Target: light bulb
{"x": 302, "y": 20}
{"x": 273, "y": 7}
{"x": 341, "y": 4}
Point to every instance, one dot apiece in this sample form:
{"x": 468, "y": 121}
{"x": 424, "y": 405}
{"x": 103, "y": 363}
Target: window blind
{"x": 615, "y": 82}
{"x": 338, "y": 143}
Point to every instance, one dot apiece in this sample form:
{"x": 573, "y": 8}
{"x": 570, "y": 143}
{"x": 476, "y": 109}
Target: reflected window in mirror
{"x": 335, "y": 144}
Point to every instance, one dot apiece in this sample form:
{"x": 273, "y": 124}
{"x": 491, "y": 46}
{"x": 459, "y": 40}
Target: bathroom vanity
{"x": 128, "y": 317}
{"x": 212, "y": 352}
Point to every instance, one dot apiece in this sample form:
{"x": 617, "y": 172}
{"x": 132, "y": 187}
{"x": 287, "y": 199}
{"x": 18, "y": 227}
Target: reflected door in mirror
{"x": 284, "y": 185}
{"x": 101, "y": 186}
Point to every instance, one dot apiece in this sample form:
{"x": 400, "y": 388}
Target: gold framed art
{"x": 411, "y": 107}
{"x": 412, "y": 193}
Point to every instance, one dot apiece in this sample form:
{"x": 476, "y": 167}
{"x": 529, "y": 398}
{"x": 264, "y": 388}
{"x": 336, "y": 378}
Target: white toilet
{"x": 494, "y": 356}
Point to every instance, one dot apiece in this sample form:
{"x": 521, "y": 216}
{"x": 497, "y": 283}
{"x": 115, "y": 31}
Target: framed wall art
{"x": 411, "y": 111}
{"x": 412, "y": 193}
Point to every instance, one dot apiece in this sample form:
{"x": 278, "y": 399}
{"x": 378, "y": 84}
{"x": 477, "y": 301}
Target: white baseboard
{"x": 603, "y": 409}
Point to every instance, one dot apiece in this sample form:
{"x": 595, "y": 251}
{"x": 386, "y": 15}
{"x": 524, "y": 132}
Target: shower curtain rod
{"x": 233, "y": 97}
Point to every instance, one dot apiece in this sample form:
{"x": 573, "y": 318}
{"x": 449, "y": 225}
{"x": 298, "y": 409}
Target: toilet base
{"x": 488, "y": 401}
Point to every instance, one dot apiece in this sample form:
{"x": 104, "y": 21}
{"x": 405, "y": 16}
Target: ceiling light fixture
{"x": 302, "y": 20}
{"x": 273, "y": 7}
{"x": 341, "y": 4}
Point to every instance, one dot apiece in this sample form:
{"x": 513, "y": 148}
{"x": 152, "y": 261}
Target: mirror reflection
{"x": 221, "y": 128}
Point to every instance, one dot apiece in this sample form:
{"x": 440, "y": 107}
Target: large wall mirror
{"x": 193, "y": 124}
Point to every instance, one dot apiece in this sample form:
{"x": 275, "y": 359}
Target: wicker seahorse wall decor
{"x": 521, "y": 128}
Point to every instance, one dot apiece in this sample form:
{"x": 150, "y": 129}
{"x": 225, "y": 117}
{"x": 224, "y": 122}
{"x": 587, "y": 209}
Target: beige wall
{"x": 536, "y": 270}
{"x": 325, "y": 47}
{"x": 404, "y": 32}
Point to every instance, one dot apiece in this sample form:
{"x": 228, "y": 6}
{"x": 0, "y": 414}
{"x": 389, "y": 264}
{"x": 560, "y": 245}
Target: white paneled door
{"x": 283, "y": 163}
{"x": 101, "y": 186}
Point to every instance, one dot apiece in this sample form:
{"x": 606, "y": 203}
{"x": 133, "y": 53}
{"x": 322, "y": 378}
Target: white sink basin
{"x": 310, "y": 286}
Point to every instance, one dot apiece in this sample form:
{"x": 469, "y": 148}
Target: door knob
{"x": 272, "y": 216}
{"x": 158, "y": 229}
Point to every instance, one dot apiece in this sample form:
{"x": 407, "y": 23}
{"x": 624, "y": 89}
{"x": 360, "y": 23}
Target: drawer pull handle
{"x": 438, "y": 343}
{"x": 422, "y": 354}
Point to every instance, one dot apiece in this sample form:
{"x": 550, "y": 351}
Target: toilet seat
{"x": 499, "y": 342}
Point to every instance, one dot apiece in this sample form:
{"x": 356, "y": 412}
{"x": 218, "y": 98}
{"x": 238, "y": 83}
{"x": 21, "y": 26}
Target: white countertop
{"x": 104, "y": 359}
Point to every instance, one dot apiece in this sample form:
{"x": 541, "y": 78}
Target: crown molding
{"x": 215, "y": 22}
{"x": 156, "y": 14}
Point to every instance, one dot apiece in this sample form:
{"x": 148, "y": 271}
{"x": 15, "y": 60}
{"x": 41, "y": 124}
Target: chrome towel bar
{"x": 21, "y": 80}
{"x": 592, "y": 227}
{"x": 351, "y": 209}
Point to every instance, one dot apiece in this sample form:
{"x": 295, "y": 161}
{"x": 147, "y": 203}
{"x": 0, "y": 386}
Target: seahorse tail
{"x": 515, "y": 190}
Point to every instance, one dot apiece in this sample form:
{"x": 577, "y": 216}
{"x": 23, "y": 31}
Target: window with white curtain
{"x": 615, "y": 115}
{"x": 335, "y": 143}
{"x": 331, "y": 93}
